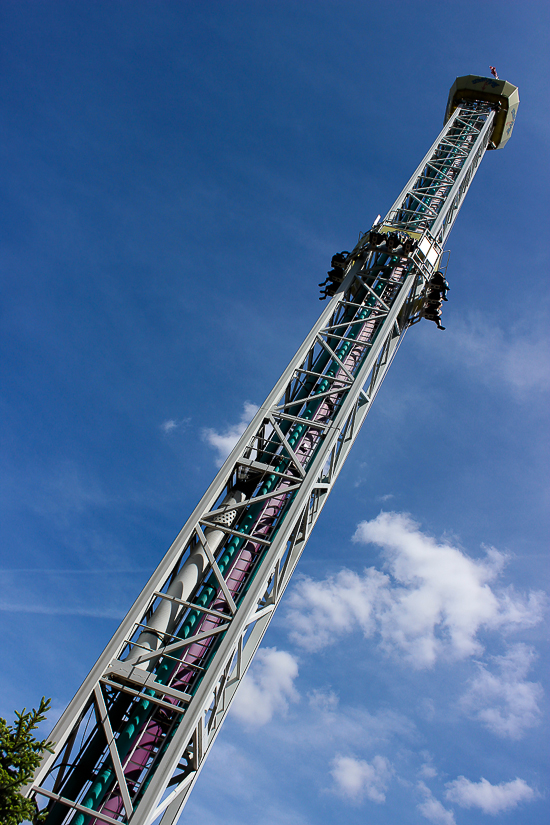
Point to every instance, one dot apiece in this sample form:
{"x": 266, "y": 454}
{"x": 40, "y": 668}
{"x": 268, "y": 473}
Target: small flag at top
{"x": 494, "y": 72}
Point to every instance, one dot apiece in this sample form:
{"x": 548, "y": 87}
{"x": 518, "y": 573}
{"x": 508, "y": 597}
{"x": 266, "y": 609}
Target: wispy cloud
{"x": 267, "y": 688}
{"x": 427, "y": 769}
{"x": 233, "y": 777}
{"x": 326, "y": 727}
{"x": 172, "y": 424}
{"x": 321, "y": 725}
{"x": 224, "y": 441}
{"x": 232, "y": 769}
{"x": 356, "y": 779}
{"x": 61, "y": 610}
{"x": 58, "y": 491}
{"x": 491, "y": 799}
{"x": 97, "y": 593}
{"x": 504, "y": 701}
{"x": 59, "y": 571}
{"x": 517, "y": 357}
{"x": 321, "y": 611}
{"x": 432, "y": 808}
{"x": 433, "y": 600}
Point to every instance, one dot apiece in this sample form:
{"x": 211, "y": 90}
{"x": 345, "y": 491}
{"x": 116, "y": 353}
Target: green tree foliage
{"x": 20, "y": 755}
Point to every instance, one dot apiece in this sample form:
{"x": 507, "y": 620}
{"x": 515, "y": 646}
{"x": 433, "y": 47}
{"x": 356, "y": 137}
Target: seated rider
{"x": 433, "y": 301}
{"x": 433, "y": 296}
{"x": 433, "y": 315}
{"x": 339, "y": 260}
{"x": 335, "y": 276}
{"x": 432, "y": 312}
{"x": 439, "y": 282}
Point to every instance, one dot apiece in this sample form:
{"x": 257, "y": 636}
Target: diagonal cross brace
{"x": 217, "y": 572}
{"x": 174, "y": 795}
{"x": 287, "y": 446}
{"x": 372, "y": 292}
{"x": 336, "y": 358}
{"x": 247, "y": 502}
{"x": 103, "y": 719}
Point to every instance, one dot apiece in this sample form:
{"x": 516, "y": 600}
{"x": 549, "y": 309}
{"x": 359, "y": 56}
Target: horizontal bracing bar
{"x": 217, "y": 525}
{"x": 295, "y": 419}
{"x": 164, "y": 651}
{"x": 265, "y": 468}
{"x": 346, "y": 384}
{"x": 119, "y": 686}
{"x": 192, "y": 605}
{"x": 74, "y": 805}
{"x": 355, "y": 341}
{"x": 277, "y": 492}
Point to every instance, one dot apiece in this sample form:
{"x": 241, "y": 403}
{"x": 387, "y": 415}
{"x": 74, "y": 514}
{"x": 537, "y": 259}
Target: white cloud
{"x": 168, "y": 426}
{"x": 356, "y": 779}
{"x": 491, "y": 799}
{"x": 223, "y": 442}
{"x": 267, "y": 688}
{"x": 518, "y": 357}
{"x": 323, "y": 701}
{"x": 320, "y": 611}
{"x": 443, "y": 597}
{"x": 505, "y": 702}
{"x": 326, "y": 725}
{"x": 427, "y": 770}
{"x": 433, "y": 601}
{"x": 172, "y": 424}
{"x": 432, "y": 808}
{"x": 322, "y": 726}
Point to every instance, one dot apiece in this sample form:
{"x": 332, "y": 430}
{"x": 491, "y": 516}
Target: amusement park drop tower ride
{"x": 132, "y": 742}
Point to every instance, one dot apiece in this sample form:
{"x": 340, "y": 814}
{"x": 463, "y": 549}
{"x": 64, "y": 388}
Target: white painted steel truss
{"x": 132, "y": 742}
{"x": 434, "y": 194}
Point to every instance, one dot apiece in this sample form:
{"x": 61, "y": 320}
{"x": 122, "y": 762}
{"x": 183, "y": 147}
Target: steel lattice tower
{"x": 133, "y": 740}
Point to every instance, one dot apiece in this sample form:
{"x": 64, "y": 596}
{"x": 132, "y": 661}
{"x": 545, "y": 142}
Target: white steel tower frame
{"x": 133, "y": 740}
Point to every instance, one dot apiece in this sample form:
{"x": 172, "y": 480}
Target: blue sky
{"x": 176, "y": 178}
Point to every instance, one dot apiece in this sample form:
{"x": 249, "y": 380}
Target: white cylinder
{"x": 164, "y": 619}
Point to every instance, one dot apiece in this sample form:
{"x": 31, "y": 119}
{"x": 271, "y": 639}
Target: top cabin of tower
{"x": 502, "y": 94}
